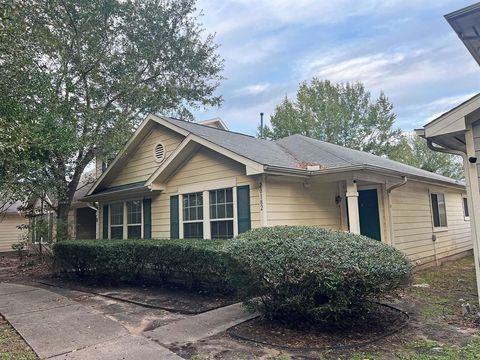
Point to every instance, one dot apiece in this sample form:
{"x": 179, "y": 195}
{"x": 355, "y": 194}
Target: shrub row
{"x": 195, "y": 264}
{"x": 297, "y": 272}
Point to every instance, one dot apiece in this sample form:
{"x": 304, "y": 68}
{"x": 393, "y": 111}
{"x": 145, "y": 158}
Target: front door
{"x": 369, "y": 214}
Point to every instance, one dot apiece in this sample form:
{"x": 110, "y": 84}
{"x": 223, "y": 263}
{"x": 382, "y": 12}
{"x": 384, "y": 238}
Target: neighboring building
{"x": 176, "y": 179}
{"x": 82, "y": 218}
{"x": 11, "y": 221}
{"x": 458, "y": 130}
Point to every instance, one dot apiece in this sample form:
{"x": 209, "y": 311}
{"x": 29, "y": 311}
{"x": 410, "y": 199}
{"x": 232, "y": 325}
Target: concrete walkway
{"x": 59, "y": 328}
{"x": 200, "y": 326}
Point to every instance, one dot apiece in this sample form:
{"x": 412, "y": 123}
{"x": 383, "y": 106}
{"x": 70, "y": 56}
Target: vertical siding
{"x": 141, "y": 163}
{"x": 291, "y": 203}
{"x": 205, "y": 165}
{"x": 9, "y": 233}
{"x": 413, "y": 224}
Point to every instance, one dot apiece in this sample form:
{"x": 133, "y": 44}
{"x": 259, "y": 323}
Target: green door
{"x": 369, "y": 214}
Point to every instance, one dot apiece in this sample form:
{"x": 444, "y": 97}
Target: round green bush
{"x": 300, "y": 272}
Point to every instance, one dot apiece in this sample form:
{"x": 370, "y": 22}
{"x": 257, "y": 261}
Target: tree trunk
{"x": 62, "y": 221}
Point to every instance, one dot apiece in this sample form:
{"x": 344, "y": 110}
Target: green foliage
{"x": 77, "y": 76}
{"x": 195, "y": 264}
{"x": 304, "y": 272}
{"x": 415, "y": 152}
{"x": 344, "y": 114}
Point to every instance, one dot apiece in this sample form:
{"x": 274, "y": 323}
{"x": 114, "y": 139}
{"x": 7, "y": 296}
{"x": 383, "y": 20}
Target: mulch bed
{"x": 355, "y": 331}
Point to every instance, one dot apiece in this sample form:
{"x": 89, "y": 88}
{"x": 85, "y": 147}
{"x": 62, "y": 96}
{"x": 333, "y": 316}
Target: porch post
{"x": 352, "y": 201}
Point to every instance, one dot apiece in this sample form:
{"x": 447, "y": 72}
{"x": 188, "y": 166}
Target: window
{"x": 116, "y": 221}
{"x": 221, "y": 207}
{"x": 132, "y": 227}
{"x": 134, "y": 219}
{"x": 438, "y": 210}
{"x": 193, "y": 216}
{"x": 466, "y": 214}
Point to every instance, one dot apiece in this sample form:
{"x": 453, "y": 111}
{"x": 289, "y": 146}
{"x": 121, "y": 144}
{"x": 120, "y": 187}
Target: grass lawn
{"x": 12, "y": 346}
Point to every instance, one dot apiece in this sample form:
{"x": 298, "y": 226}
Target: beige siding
{"x": 141, "y": 164}
{"x": 291, "y": 203}
{"x": 413, "y": 224}
{"x": 204, "y": 166}
{"x": 9, "y": 233}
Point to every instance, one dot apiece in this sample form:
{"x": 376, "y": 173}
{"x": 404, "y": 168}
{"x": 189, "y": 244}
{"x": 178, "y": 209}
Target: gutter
{"x": 278, "y": 170}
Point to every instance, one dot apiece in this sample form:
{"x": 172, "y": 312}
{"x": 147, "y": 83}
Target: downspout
{"x": 390, "y": 216}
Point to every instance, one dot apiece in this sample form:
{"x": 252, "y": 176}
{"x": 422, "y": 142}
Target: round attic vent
{"x": 159, "y": 152}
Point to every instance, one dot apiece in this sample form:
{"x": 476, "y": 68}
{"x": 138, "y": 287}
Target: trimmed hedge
{"x": 306, "y": 273}
{"x": 195, "y": 264}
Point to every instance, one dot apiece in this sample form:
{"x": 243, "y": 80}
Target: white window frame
{"x": 465, "y": 201}
{"x": 234, "y": 203}
{"x": 206, "y": 207}
{"x": 125, "y": 218}
{"x": 182, "y": 221}
{"x": 441, "y": 227}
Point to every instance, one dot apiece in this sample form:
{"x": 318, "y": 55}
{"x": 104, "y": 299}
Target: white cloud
{"x": 254, "y": 89}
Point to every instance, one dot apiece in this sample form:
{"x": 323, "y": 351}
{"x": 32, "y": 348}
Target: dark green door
{"x": 369, "y": 214}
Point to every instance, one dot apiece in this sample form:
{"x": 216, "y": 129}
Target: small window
{"x": 159, "y": 152}
{"x": 466, "y": 214}
{"x": 116, "y": 221}
{"x": 439, "y": 210}
{"x": 193, "y": 216}
{"x": 134, "y": 219}
{"x": 221, "y": 214}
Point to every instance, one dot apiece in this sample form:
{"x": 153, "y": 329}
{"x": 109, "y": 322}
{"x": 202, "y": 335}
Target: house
{"x": 11, "y": 222}
{"x": 177, "y": 179}
{"x": 458, "y": 131}
{"x": 40, "y": 218}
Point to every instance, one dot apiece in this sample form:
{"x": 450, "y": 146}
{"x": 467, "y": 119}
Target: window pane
{"x": 116, "y": 232}
{"x": 192, "y": 206}
{"x": 229, "y": 210}
{"x": 436, "y": 216}
{"x": 134, "y": 212}
{"x": 193, "y": 230}
{"x": 441, "y": 209}
{"x": 135, "y": 232}
{"x": 116, "y": 214}
{"x": 465, "y": 207}
{"x": 229, "y": 195}
{"x": 221, "y": 229}
{"x": 221, "y": 204}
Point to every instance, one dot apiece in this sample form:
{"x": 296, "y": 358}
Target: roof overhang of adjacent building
{"x": 466, "y": 23}
{"x": 448, "y": 130}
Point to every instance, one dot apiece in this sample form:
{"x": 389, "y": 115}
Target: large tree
{"x": 76, "y": 76}
{"x": 343, "y": 114}
{"x": 414, "y": 151}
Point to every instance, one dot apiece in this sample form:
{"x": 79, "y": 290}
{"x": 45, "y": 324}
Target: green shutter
{"x": 243, "y": 208}
{"x": 147, "y": 218}
{"x": 105, "y": 221}
{"x": 174, "y": 219}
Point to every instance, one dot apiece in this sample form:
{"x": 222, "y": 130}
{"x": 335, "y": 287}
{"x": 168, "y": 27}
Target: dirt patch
{"x": 372, "y": 324}
{"x": 166, "y": 298}
{"x": 12, "y": 268}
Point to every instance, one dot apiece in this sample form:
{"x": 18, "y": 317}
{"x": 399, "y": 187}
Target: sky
{"x": 402, "y": 47}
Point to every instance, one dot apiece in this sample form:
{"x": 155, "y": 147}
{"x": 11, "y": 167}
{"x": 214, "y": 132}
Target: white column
{"x": 235, "y": 211}
{"x": 473, "y": 200}
{"x": 206, "y": 215}
{"x": 352, "y": 200}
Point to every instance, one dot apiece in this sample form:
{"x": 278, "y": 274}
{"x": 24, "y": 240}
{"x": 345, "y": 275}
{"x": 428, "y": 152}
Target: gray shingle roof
{"x": 262, "y": 151}
{"x": 296, "y": 151}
